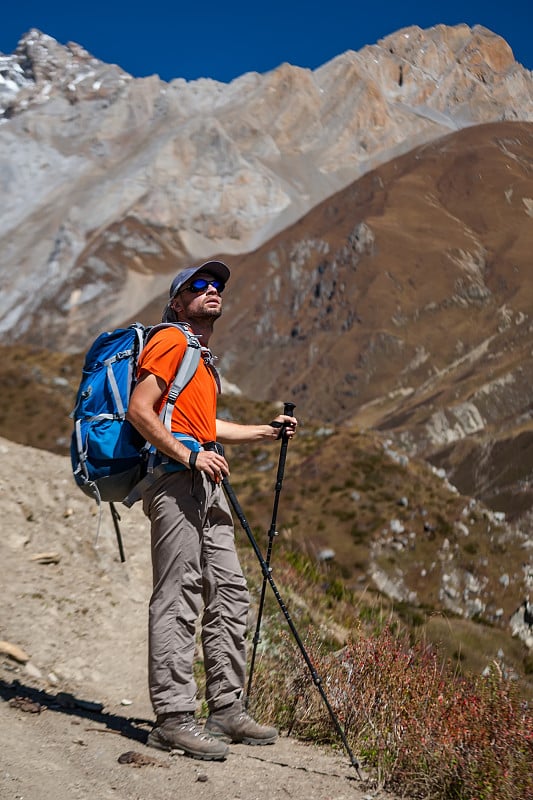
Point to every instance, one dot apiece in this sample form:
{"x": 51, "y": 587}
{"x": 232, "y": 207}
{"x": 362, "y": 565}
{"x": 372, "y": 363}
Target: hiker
{"x": 194, "y": 559}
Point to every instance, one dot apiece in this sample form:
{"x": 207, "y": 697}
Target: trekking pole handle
{"x": 288, "y": 410}
{"x": 216, "y": 446}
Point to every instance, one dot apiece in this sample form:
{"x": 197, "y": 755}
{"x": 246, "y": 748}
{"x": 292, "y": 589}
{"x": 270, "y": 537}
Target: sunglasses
{"x": 201, "y": 284}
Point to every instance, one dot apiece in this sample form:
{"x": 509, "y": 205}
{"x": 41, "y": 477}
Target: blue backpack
{"x": 109, "y": 457}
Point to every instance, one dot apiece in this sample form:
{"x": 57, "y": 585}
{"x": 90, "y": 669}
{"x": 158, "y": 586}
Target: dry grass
{"x": 423, "y": 731}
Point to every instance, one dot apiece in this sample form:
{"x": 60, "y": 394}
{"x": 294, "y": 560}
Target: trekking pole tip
{"x": 355, "y": 763}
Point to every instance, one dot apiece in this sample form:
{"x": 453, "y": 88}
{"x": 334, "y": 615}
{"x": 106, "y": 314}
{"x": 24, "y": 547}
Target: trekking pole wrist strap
{"x": 276, "y": 424}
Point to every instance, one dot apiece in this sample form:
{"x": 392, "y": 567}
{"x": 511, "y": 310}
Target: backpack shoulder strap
{"x": 186, "y": 370}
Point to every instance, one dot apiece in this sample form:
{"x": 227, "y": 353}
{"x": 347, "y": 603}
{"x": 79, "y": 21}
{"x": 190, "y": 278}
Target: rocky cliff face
{"x": 109, "y": 184}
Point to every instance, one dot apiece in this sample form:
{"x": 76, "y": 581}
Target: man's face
{"x": 194, "y": 302}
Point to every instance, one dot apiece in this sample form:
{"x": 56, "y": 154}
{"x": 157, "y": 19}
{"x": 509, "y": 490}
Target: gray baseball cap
{"x": 215, "y": 268}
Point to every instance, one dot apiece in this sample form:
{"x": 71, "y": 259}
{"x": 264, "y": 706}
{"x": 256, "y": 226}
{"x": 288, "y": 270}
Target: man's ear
{"x": 176, "y": 305}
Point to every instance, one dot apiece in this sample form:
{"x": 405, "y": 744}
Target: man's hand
{"x": 283, "y": 425}
{"x": 212, "y": 464}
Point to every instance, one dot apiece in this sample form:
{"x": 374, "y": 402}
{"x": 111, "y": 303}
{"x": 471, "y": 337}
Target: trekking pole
{"x": 288, "y": 410}
{"x": 267, "y": 573}
{"x": 116, "y": 518}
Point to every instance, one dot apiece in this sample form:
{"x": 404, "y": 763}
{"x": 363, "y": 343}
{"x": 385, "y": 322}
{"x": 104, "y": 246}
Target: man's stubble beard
{"x": 209, "y": 313}
{"x": 204, "y": 314}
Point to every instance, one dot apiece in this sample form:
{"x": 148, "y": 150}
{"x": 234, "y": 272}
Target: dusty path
{"x": 69, "y": 756}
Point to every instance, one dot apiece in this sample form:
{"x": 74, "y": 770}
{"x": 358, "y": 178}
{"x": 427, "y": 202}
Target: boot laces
{"x": 190, "y": 724}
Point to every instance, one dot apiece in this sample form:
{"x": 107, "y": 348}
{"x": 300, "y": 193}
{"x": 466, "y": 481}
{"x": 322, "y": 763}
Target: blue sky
{"x": 225, "y": 39}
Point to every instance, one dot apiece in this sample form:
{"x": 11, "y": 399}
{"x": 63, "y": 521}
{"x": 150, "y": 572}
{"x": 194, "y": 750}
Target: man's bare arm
{"x": 234, "y": 433}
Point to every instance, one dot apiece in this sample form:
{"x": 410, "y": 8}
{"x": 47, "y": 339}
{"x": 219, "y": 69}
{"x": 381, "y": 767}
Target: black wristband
{"x": 192, "y": 459}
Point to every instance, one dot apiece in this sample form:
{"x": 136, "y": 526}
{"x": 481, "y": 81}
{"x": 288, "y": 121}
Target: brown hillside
{"x": 393, "y": 282}
{"x": 404, "y": 303}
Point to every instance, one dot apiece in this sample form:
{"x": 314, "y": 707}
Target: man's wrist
{"x": 192, "y": 459}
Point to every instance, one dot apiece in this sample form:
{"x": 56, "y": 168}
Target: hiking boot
{"x": 182, "y": 732}
{"x": 233, "y": 724}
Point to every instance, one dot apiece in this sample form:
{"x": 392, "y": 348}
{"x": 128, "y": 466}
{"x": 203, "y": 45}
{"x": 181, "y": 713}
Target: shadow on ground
{"x": 31, "y": 700}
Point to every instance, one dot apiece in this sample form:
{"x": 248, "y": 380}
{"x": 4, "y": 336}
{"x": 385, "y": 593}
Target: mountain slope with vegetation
{"x": 73, "y": 667}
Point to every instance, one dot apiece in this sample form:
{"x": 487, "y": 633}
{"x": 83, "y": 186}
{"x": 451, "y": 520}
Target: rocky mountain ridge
{"x": 110, "y": 183}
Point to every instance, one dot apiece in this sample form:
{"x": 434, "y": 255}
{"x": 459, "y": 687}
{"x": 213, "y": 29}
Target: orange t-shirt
{"x": 195, "y": 409}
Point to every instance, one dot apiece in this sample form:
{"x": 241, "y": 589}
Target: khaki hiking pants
{"x": 194, "y": 564}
